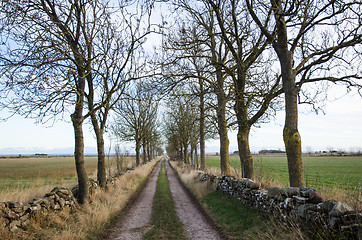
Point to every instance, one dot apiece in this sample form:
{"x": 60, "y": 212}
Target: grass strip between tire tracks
{"x": 165, "y": 222}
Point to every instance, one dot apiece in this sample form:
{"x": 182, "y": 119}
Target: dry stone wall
{"x": 304, "y": 206}
{"x": 17, "y": 215}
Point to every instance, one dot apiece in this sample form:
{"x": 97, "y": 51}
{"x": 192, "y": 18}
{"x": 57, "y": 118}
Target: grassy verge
{"x": 90, "y": 220}
{"x": 241, "y": 222}
{"x": 166, "y": 224}
{"x": 235, "y": 219}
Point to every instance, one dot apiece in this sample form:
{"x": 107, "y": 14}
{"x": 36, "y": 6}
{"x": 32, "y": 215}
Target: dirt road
{"x": 136, "y": 220}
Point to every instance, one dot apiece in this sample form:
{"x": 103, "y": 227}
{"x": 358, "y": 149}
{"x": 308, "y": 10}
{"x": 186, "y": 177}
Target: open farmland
{"x": 30, "y": 172}
{"x": 321, "y": 172}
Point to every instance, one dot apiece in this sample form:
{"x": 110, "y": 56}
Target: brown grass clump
{"x": 5, "y": 233}
{"x": 190, "y": 177}
{"x": 338, "y": 193}
{"x": 91, "y": 219}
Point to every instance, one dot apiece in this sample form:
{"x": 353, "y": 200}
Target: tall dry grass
{"x": 91, "y": 219}
{"x": 190, "y": 177}
{"x": 37, "y": 189}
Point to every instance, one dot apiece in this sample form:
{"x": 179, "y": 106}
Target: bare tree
{"x": 120, "y": 158}
{"x": 309, "y": 52}
{"x": 185, "y": 65}
{"x": 118, "y": 63}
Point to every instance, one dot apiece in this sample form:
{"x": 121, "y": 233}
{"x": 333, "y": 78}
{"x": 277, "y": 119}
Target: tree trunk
{"x": 186, "y": 154}
{"x": 202, "y": 127}
{"x": 144, "y": 154}
{"x": 192, "y": 155}
{"x": 224, "y": 149}
{"x": 98, "y": 129}
{"x": 222, "y": 125}
{"x": 149, "y": 152}
{"x": 246, "y": 159}
{"x": 196, "y": 158}
{"x": 138, "y": 146}
{"x": 291, "y": 136}
{"x": 101, "y": 171}
{"x": 77, "y": 120}
{"x": 221, "y": 104}
{"x": 181, "y": 155}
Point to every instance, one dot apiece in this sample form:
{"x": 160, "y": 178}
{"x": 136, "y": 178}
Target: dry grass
{"x": 91, "y": 219}
{"x": 34, "y": 191}
{"x": 274, "y": 230}
{"x": 190, "y": 178}
{"x": 353, "y": 198}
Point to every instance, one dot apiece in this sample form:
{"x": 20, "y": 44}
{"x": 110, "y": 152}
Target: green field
{"x": 322, "y": 172}
{"x": 27, "y": 172}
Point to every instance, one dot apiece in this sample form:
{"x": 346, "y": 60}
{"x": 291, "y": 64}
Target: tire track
{"x": 195, "y": 223}
{"x": 135, "y": 222}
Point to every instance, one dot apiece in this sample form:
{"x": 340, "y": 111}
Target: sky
{"x": 338, "y": 129}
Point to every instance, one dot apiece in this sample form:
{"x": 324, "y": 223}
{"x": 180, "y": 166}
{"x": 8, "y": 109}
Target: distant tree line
{"x": 270, "y": 151}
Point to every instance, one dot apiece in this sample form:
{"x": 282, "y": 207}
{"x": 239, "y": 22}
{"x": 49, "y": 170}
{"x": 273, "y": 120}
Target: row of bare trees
{"x": 186, "y": 126}
{"x": 78, "y": 54}
{"x": 225, "y": 64}
{"x": 248, "y": 53}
